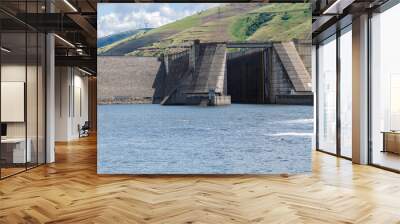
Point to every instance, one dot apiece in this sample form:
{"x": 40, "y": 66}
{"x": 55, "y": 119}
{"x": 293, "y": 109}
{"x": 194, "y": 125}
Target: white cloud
{"x": 112, "y": 23}
{"x": 166, "y": 10}
{"x": 122, "y": 17}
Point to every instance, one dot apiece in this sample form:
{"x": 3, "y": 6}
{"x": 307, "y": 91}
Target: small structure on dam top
{"x": 206, "y": 74}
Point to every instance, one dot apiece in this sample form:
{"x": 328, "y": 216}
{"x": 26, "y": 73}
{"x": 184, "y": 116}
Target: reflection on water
{"x": 237, "y": 139}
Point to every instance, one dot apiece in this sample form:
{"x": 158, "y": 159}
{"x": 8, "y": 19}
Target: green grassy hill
{"x": 107, "y": 40}
{"x": 112, "y": 43}
{"x": 229, "y": 22}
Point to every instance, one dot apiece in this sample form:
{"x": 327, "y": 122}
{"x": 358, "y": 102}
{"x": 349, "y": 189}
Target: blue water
{"x": 236, "y": 139}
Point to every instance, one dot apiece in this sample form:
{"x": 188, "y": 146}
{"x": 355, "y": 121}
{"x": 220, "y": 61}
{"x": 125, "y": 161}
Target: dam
{"x": 212, "y": 73}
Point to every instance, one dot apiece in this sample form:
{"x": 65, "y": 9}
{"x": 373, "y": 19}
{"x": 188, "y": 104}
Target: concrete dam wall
{"x": 205, "y": 73}
{"x": 127, "y": 79}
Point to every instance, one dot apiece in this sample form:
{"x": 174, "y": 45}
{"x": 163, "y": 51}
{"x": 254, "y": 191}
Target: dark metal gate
{"x": 246, "y": 76}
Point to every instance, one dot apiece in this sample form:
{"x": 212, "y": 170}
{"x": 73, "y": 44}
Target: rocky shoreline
{"x": 125, "y": 100}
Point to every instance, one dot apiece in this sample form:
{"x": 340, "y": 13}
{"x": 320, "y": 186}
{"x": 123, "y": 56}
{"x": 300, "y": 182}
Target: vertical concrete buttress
{"x": 193, "y": 55}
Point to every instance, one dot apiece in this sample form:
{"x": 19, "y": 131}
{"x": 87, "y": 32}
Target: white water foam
{"x": 291, "y": 134}
{"x": 299, "y": 121}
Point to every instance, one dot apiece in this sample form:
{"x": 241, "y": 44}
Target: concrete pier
{"x": 220, "y": 101}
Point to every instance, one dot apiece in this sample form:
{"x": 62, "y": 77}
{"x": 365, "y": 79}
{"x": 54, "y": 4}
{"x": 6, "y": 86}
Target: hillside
{"x": 104, "y": 41}
{"x": 229, "y": 22}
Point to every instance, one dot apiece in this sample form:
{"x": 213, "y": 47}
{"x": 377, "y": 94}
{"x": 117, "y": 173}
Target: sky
{"x": 118, "y": 17}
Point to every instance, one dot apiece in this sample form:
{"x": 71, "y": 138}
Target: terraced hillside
{"x": 228, "y": 22}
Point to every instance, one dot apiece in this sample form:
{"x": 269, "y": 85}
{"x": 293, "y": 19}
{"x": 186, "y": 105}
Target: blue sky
{"x": 118, "y": 17}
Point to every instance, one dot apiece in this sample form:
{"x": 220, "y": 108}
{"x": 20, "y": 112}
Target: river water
{"x": 235, "y": 139}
